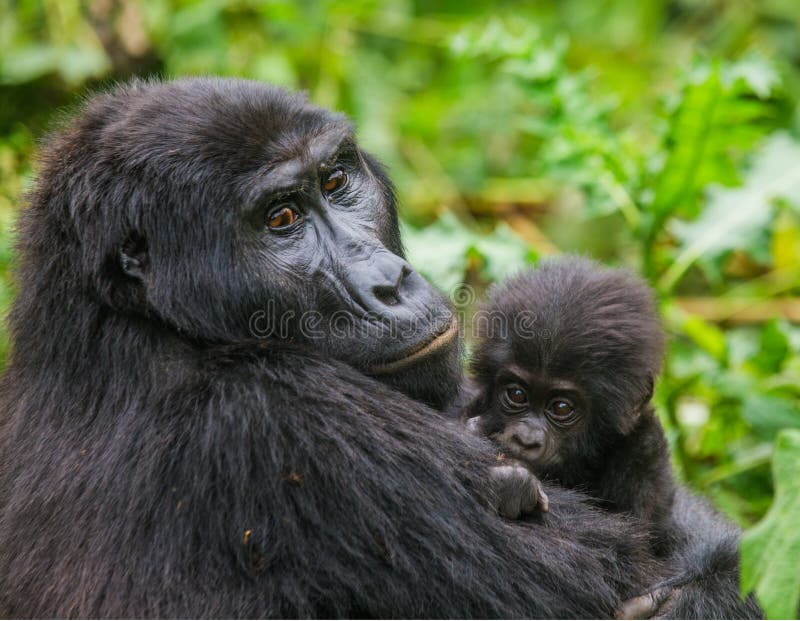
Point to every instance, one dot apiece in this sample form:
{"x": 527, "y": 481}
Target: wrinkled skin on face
{"x": 534, "y": 418}
{"x": 303, "y": 222}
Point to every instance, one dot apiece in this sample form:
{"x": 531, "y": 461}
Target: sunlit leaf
{"x": 439, "y": 251}
{"x": 707, "y": 336}
{"x": 735, "y": 218}
{"x": 442, "y": 251}
{"x": 758, "y": 73}
{"x": 785, "y": 246}
{"x": 771, "y": 549}
{"x": 503, "y": 252}
{"x": 28, "y": 63}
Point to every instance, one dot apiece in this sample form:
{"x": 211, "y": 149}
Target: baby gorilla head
{"x": 565, "y": 363}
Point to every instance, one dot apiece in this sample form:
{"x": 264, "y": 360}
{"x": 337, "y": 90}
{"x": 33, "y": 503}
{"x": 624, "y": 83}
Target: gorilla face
{"x": 246, "y": 213}
{"x": 324, "y": 219}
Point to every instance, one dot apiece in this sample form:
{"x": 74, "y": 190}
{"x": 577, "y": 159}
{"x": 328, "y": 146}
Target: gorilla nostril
{"x": 528, "y": 443}
{"x": 387, "y": 295}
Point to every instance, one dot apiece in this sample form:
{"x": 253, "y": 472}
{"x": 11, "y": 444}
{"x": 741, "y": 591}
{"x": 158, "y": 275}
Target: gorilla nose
{"x": 385, "y": 284}
{"x": 529, "y": 439}
{"x": 389, "y": 293}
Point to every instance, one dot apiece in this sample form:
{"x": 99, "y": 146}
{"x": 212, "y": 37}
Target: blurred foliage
{"x": 661, "y": 135}
{"x": 770, "y": 550}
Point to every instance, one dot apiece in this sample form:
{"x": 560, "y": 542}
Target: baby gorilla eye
{"x": 282, "y": 218}
{"x": 514, "y": 397}
{"x": 334, "y": 181}
{"x": 561, "y": 410}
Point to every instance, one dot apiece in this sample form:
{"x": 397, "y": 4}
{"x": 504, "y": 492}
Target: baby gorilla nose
{"x": 528, "y": 444}
{"x": 530, "y": 439}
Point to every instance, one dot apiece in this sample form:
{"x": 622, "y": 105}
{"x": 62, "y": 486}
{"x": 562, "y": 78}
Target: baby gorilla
{"x": 564, "y": 372}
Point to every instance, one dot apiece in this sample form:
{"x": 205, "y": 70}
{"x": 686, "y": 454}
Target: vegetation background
{"x": 662, "y": 135}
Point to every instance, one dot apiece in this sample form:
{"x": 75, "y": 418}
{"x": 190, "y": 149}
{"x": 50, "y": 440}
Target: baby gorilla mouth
{"x": 419, "y": 351}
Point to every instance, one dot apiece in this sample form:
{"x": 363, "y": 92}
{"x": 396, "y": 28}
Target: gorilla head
{"x": 276, "y": 204}
{"x": 568, "y": 368}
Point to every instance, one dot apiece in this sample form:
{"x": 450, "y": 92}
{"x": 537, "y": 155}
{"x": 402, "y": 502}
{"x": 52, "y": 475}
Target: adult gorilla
{"x": 158, "y": 461}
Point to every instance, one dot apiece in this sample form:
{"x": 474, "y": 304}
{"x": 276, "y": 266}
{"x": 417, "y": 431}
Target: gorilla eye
{"x": 561, "y": 409}
{"x": 334, "y": 181}
{"x": 282, "y": 218}
{"x": 515, "y": 396}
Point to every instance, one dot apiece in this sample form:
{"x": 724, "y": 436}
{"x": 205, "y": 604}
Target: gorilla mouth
{"x": 419, "y": 351}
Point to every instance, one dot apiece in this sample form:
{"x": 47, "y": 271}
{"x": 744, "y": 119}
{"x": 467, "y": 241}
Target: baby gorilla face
{"x": 531, "y": 415}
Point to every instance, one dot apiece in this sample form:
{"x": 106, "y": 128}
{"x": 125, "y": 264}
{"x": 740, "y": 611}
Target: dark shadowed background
{"x": 659, "y": 135}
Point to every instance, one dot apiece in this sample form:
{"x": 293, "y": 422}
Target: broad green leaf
{"x": 771, "y": 549}
{"x": 75, "y": 65}
{"x": 442, "y": 251}
{"x": 688, "y": 145}
{"x": 768, "y": 414}
{"x": 734, "y": 218}
{"x": 439, "y": 251}
{"x": 773, "y": 348}
{"x": 714, "y": 120}
{"x": 25, "y": 64}
{"x": 703, "y": 333}
{"x": 503, "y": 252}
{"x": 708, "y": 336}
{"x": 756, "y": 71}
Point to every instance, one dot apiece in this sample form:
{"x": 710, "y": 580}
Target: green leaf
{"x": 785, "y": 247}
{"x": 708, "y": 336}
{"x": 771, "y": 549}
{"x": 439, "y": 251}
{"x": 769, "y": 414}
{"x": 736, "y": 218}
{"x": 75, "y": 65}
{"x": 756, "y": 72}
{"x": 773, "y": 348}
{"x": 442, "y": 252}
{"x": 503, "y": 253}
{"x": 27, "y": 63}
{"x": 690, "y": 145}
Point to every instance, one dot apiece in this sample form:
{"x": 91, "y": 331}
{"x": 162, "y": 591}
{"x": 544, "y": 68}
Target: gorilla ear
{"x": 133, "y": 257}
{"x": 651, "y": 382}
{"x": 631, "y": 420}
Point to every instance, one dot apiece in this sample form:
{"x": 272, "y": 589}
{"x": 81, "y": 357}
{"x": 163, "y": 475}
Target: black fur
{"x": 705, "y": 554}
{"x": 597, "y": 329}
{"x": 156, "y": 461}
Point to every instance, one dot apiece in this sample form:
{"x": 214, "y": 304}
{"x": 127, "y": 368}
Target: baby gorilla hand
{"x": 653, "y": 605}
{"x": 517, "y": 490}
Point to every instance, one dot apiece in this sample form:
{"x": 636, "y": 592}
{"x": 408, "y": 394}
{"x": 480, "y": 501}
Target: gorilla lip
{"x": 419, "y": 351}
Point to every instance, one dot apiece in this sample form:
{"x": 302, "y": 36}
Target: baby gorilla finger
{"x": 518, "y": 491}
{"x": 645, "y": 606}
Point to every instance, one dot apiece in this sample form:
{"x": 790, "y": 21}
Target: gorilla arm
{"x": 705, "y": 568}
{"x": 363, "y": 502}
{"x": 355, "y": 475}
